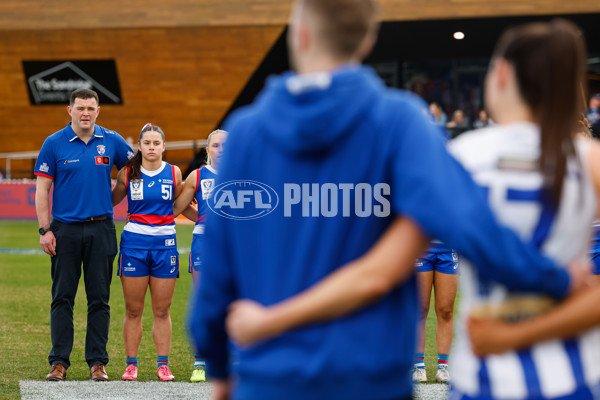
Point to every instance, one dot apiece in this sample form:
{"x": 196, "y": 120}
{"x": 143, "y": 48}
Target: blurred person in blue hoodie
{"x": 294, "y": 202}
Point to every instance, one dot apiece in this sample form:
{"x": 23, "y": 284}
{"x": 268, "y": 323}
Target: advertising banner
{"x": 51, "y": 82}
{"x": 17, "y": 201}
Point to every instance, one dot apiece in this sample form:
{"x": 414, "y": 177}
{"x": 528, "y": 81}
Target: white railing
{"x": 28, "y": 155}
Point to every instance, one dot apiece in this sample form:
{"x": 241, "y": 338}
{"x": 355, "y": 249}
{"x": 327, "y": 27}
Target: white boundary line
{"x": 119, "y": 390}
{"x": 114, "y": 390}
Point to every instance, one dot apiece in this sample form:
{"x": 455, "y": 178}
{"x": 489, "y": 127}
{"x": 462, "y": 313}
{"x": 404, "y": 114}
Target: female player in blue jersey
{"x": 437, "y": 269}
{"x": 540, "y": 181}
{"x": 148, "y": 251}
{"x": 199, "y": 185}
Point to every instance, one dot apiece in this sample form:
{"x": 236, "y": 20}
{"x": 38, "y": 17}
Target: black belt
{"x": 91, "y": 219}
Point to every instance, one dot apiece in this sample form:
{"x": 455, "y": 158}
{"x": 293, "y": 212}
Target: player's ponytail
{"x": 134, "y": 166}
{"x": 135, "y": 163}
{"x": 549, "y": 64}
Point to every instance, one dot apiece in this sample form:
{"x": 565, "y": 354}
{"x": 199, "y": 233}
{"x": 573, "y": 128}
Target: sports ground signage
{"x": 51, "y": 82}
{"x": 17, "y": 201}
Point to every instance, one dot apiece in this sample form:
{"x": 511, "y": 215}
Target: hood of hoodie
{"x": 311, "y": 113}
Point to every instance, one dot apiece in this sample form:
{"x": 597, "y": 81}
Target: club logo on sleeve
{"x": 44, "y": 167}
{"x": 102, "y": 160}
{"x": 130, "y": 155}
{"x": 101, "y": 149}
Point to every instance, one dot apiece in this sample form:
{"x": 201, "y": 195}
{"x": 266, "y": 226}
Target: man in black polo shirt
{"x": 78, "y": 161}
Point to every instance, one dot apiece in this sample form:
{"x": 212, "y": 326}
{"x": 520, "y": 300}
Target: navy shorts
{"x": 196, "y": 252}
{"x": 156, "y": 263}
{"x": 438, "y": 259}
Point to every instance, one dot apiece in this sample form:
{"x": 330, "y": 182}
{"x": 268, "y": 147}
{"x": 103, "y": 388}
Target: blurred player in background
{"x": 199, "y": 185}
{"x": 437, "y": 269}
{"x": 540, "y": 180}
{"x": 301, "y": 138}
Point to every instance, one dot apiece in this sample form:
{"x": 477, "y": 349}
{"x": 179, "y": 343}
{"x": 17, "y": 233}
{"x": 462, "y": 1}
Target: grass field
{"x": 25, "y": 318}
{"x": 25, "y": 315}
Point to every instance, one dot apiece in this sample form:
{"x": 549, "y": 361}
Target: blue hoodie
{"x": 329, "y": 146}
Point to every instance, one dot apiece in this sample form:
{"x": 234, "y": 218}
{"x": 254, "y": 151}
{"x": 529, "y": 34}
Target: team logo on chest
{"x": 101, "y": 149}
{"x": 207, "y": 186}
{"x": 136, "y": 189}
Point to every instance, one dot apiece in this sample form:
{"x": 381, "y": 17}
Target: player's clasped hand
{"x": 246, "y": 322}
{"x": 580, "y": 274}
{"x": 489, "y": 336}
{"x": 48, "y": 243}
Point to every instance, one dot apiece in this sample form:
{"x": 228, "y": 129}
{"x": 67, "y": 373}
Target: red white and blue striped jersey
{"x": 150, "y": 203}
{"x": 205, "y": 183}
{"x": 503, "y": 161}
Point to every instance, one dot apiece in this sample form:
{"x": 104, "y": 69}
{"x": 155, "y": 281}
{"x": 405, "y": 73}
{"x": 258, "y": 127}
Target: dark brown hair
{"x": 135, "y": 163}
{"x": 549, "y": 63}
{"x": 344, "y": 24}
{"x": 83, "y": 94}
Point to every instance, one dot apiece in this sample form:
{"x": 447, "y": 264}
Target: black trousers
{"x": 93, "y": 244}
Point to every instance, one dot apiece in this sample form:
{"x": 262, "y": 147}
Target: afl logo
{"x": 243, "y": 200}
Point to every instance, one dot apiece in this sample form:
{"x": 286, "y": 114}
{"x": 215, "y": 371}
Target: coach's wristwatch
{"x": 44, "y": 230}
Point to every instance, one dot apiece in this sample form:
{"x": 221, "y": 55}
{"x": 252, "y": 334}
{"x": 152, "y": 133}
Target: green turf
{"x": 19, "y": 235}
{"x": 25, "y": 315}
{"x": 430, "y": 347}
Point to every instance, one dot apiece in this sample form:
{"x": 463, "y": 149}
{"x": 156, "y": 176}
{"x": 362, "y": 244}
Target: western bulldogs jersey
{"x": 503, "y": 160}
{"x": 205, "y": 183}
{"x": 150, "y": 200}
